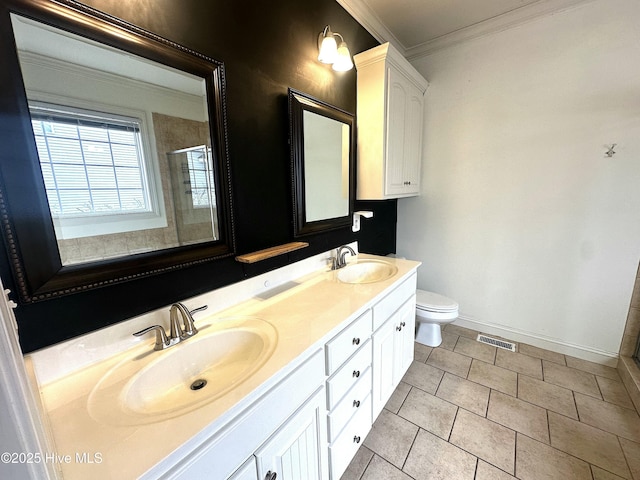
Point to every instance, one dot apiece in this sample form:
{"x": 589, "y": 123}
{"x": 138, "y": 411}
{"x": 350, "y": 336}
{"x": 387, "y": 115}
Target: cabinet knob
{"x": 356, "y": 373}
{"x": 403, "y": 324}
{"x": 399, "y": 327}
{"x": 271, "y": 475}
{"x": 356, "y": 439}
{"x": 356, "y": 341}
{"x": 356, "y": 403}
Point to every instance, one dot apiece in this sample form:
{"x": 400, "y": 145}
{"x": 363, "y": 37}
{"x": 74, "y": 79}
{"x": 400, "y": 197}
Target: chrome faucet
{"x": 177, "y": 333}
{"x": 339, "y": 260}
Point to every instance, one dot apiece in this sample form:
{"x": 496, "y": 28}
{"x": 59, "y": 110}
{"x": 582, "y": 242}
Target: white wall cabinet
{"x": 390, "y": 115}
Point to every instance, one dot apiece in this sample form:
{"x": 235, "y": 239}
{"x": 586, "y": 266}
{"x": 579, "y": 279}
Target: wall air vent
{"x": 496, "y": 343}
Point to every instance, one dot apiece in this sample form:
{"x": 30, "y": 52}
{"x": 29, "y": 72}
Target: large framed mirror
{"x": 322, "y": 140}
{"x": 115, "y": 163}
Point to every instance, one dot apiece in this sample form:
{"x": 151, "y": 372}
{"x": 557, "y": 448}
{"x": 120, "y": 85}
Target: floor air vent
{"x": 496, "y": 343}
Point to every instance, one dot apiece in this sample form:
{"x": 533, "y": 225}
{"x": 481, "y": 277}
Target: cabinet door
{"x": 397, "y": 105}
{"x": 297, "y": 450}
{"x": 383, "y": 365}
{"x": 413, "y": 141}
{"x": 392, "y": 353}
{"x": 406, "y": 317}
{"x": 404, "y": 135}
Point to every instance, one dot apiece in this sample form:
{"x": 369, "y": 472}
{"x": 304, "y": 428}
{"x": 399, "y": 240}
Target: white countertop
{"x": 305, "y": 316}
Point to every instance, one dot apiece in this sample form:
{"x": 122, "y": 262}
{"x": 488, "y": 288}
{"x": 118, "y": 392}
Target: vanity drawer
{"x": 343, "y": 345}
{"x": 345, "y": 378}
{"x": 351, "y": 404}
{"x": 341, "y": 451}
{"x": 392, "y": 302}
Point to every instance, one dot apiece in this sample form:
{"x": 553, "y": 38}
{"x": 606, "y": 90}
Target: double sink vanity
{"x": 284, "y": 383}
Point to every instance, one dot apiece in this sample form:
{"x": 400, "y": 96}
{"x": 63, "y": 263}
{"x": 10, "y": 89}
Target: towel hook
{"x": 610, "y": 153}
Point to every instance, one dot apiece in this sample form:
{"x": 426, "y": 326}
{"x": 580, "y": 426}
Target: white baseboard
{"x": 585, "y": 353}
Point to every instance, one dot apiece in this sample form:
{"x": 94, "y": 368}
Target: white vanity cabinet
{"x": 392, "y": 341}
{"x": 348, "y": 366}
{"x": 390, "y": 115}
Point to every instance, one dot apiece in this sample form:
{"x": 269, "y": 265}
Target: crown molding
{"x": 362, "y": 13}
{"x": 366, "y": 17}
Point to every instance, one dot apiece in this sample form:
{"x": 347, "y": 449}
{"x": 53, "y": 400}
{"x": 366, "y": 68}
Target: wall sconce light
{"x": 333, "y": 53}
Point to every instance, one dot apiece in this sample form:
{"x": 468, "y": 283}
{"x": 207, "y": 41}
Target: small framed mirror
{"x": 322, "y": 140}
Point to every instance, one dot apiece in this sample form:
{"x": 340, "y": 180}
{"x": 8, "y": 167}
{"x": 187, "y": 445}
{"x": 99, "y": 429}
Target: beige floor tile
{"x": 600, "y": 474}
{"x": 449, "y": 340}
{"x": 570, "y": 378}
{"x": 520, "y": 363}
{"x": 547, "y": 395}
{"x": 588, "y": 443}
{"x": 397, "y": 397}
{"x": 380, "y": 469}
{"x": 542, "y": 353}
{"x": 494, "y": 377}
{"x": 429, "y": 412}
{"x": 358, "y": 465}
{"x": 632, "y": 453}
{"x": 462, "y": 331}
{"x": 595, "y": 368}
{"x": 614, "y": 391}
{"x": 472, "y": 396}
{"x": 431, "y": 458}
{"x": 609, "y": 417}
{"x": 423, "y": 376}
{"x": 391, "y": 437}
{"x": 475, "y": 349}
{"x": 450, "y": 362}
{"x": 421, "y": 352}
{"x": 538, "y": 461}
{"x": 486, "y": 471}
{"x": 520, "y": 416}
{"x": 486, "y": 439}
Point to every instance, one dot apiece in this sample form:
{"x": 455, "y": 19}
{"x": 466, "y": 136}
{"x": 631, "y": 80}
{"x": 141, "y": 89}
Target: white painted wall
{"x": 522, "y": 218}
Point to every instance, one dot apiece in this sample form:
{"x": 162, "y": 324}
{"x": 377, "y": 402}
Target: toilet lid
{"x": 434, "y": 302}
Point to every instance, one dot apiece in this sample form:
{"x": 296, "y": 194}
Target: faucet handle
{"x": 199, "y": 309}
{"x": 162, "y": 341}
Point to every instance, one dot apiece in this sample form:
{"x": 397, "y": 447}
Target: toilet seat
{"x": 433, "y": 302}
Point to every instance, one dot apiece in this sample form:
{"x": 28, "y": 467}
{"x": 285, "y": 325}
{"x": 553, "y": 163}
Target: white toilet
{"x": 433, "y": 311}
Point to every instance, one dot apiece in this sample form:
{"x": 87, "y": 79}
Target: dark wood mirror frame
{"x": 25, "y": 219}
{"x": 300, "y": 102}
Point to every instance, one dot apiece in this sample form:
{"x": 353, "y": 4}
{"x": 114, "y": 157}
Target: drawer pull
{"x": 356, "y": 439}
{"x": 271, "y": 475}
{"x": 356, "y": 373}
{"x": 356, "y": 403}
{"x": 356, "y": 341}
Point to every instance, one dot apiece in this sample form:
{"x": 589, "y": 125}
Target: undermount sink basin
{"x": 366, "y": 271}
{"x": 157, "y": 385}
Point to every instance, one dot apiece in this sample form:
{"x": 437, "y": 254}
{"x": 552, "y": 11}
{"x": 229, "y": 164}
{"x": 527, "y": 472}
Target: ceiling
{"x": 420, "y": 27}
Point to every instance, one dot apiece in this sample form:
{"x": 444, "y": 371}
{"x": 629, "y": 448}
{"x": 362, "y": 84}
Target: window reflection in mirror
{"x": 123, "y": 143}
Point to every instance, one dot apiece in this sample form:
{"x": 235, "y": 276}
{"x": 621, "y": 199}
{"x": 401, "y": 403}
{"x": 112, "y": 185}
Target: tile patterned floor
{"x": 470, "y": 411}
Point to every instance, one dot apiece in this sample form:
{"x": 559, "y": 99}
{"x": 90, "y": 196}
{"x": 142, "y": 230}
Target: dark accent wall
{"x": 266, "y": 47}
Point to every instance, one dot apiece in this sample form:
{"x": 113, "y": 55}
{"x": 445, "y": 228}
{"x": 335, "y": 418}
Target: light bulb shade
{"x": 328, "y": 48}
{"x": 343, "y": 61}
